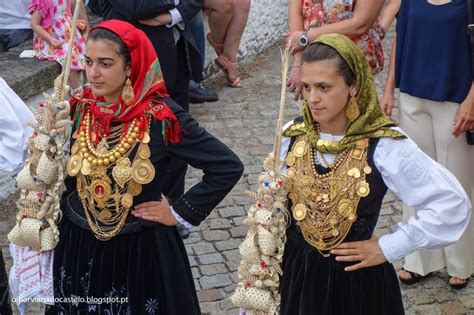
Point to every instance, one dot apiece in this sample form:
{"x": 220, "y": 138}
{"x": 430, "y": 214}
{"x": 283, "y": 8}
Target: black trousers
{"x": 13, "y": 38}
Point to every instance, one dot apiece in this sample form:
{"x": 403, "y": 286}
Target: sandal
{"x": 414, "y": 277}
{"x": 459, "y": 286}
{"x": 218, "y": 47}
{"x": 224, "y": 64}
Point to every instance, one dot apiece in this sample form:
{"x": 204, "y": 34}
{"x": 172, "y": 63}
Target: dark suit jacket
{"x": 161, "y": 36}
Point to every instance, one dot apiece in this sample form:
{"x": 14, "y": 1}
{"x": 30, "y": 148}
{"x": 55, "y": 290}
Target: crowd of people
{"x": 132, "y": 79}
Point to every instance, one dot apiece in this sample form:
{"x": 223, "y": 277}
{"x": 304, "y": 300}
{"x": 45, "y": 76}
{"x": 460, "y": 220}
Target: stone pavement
{"x": 245, "y": 119}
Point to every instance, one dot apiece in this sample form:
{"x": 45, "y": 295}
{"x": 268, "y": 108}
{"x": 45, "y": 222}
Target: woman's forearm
{"x": 390, "y": 84}
{"x": 297, "y": 59}
{"x": 295, "y": 17}
{"x": 365, "y": 14}
{"x": 388, "y": 14}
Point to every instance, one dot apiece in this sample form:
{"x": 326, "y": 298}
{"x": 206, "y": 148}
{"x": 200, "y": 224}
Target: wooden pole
{"x": 67, "y": 60}
{"x": 285, "y": 57}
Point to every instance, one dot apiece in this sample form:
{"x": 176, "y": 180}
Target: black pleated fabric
{"x": 146, "y": 272}
{"x": 313, "y": 284}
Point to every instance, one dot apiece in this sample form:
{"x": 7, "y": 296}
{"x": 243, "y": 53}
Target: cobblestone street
{"x": 245, "y": 119}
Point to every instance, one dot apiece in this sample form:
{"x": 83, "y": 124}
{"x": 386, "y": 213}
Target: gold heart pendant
{"x": 122, "y": 172}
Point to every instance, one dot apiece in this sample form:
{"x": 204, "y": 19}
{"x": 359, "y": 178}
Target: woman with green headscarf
{"x": 340, "y": 157}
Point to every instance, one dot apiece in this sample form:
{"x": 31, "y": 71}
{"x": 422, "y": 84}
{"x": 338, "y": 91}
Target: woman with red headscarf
{"x": 119, "y": 250}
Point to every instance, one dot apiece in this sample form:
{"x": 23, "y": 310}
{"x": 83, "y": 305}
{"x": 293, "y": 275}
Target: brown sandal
{"x": 218, "y": 47}
{"x": 224, "y": 63}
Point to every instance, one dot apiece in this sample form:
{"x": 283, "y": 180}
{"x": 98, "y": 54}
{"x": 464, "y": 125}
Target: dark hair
{"x": 105, "y": 34}
{"x": 319, "y": 52}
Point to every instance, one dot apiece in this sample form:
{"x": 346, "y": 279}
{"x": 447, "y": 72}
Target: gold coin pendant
{"x": 86, "y": 167}
{"x": 299, "y": 212}
{"x": 300, "y": 149}
{"x": 144, "y": 152}
{"x": 127, "y": 200}
{"x": 290, "y": 159}
{"x": 367, "y": 170}
{"x": 74, "y": 165}
{"x": 363, "y": 190}
{"x": 134, "y": 188}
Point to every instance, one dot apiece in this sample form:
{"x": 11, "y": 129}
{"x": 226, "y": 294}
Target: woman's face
{"x": 327, "y": 95}
{"x": 105, "y": 69}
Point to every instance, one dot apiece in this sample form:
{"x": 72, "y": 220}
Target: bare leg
{"x": 220, "y": 14}
{"x": 233, "y": 36}
{"x": 236, "y": 29}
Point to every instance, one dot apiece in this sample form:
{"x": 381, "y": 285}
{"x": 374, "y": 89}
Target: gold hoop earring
{"x": 127, "y": 92}
{"x": 352, "y": 109}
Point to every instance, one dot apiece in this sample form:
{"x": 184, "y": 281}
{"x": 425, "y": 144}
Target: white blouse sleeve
{"x": 180, "y": 219}
{"x": 15, "y": 117}
{"x": 444, "y": 209}
{"x": 285, "y": 146}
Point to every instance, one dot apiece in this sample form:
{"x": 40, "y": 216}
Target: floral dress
{"x": 60, "y": 30}
{"x": 317, "y": 13}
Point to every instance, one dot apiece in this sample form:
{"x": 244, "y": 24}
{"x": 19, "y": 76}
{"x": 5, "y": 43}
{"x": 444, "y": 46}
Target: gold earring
{"x": 127, "y": 92}
{"x": 352, "y": 109}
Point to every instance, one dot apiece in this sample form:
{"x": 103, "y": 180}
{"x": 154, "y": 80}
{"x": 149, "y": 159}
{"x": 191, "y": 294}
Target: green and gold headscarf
{"x": 371, "y": 122}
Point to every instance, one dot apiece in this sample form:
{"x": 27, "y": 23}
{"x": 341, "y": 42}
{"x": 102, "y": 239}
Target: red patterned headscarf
{"x": 148, "y": 86}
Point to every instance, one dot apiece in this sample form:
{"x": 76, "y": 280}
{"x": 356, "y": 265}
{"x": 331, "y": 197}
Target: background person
{"x": 15, "y": 26}
{"x": 430, "y": 63}
{"x": 356, "y": 19}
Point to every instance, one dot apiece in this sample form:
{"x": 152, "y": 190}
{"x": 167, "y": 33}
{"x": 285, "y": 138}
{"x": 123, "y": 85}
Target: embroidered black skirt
{"x": 145, "y": 272}
{"x": 313, "y": 284}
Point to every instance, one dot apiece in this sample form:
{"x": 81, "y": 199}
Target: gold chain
{"x": 325, "y": 205}
{"x": 107, "y": 181}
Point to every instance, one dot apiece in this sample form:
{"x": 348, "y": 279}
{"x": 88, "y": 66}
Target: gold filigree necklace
{"x": 107, "y": 180}
{"x": 325, "y": 205}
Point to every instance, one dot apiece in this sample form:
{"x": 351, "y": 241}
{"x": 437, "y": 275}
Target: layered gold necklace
{"x": 324, "y": 205}
{"x": 107, "y": 180}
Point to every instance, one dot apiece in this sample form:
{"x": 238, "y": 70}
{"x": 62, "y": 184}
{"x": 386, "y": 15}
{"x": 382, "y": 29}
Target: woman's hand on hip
{"x": 464, "y": 118}
{"x": 157, "y": 211}
{"x": 367, "y": 253}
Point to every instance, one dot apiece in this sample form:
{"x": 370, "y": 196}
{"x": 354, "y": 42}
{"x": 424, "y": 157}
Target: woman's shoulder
{"x": 173, "y": 118}
{"x": 294, "y": 127}
{"x": 403, "y": 149}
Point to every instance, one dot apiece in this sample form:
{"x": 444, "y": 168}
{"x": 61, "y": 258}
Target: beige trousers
{"x": 430, "y": 124}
